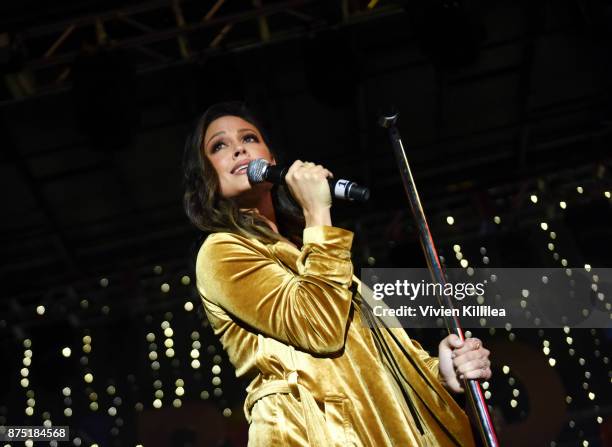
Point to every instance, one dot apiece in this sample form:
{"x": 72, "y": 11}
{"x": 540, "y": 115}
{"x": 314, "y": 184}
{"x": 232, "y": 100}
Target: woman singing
{"x": 278, "y": 288}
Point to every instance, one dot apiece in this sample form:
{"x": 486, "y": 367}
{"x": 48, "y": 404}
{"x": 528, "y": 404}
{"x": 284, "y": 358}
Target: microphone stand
{"x": 478, "y": 406}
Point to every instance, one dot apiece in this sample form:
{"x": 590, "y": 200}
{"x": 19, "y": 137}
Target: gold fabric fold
{"x": 293, "y": 321}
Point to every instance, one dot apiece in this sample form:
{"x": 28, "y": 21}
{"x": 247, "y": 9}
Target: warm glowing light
{"x": 185, "y": 280}
{"x": 534, "y": 198}
{"x": 88, "y": 377}
{"x": 66, "y": 352}
{"x": 563, "y": 205}
{"x": 165, "y": 287}
{"x": 544, "y": 226}
{"x": 157, "y": 403}
{"x": 497, "y": 220}
{"x": 168, "y": 332}
{"x": 40, "y": 310}
{"x": 450, "y": 220}
{"x": 188, "y": 306}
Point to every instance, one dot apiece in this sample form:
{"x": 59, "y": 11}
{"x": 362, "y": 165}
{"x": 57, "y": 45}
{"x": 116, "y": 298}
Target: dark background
{"x": 505, "y": 111}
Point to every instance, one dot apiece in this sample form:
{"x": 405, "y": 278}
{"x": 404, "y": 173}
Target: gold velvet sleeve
{"x": 432, "y": 363}
{"x": 308, "y": 310}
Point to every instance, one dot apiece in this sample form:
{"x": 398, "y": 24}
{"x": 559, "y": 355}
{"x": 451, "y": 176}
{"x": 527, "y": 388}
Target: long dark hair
{"x": 212, "y": 213}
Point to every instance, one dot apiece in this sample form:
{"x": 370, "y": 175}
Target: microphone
{"x": 260, "y": 171}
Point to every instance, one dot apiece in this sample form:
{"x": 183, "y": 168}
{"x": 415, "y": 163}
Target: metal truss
{"x": 160, "y": 33}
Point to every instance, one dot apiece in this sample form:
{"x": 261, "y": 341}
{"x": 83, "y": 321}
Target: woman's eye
{"x": 250, "y": 139}
{"x": 216, "y": 146}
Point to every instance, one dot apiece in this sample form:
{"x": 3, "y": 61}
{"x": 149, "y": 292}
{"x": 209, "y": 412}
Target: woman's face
{"x": 230, "y": 143}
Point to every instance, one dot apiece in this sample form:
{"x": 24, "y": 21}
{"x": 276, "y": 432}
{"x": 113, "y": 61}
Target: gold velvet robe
{"x": 293, "y": 321}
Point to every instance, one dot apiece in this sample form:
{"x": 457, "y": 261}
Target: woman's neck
{"x": 265, "y": 208}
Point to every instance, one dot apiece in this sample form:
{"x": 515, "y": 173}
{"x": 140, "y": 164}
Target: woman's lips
{"x": 241, "y": 167}
{"x": 241, "y": 170}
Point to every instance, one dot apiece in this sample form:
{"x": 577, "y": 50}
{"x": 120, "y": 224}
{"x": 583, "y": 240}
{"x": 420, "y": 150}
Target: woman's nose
{"x": 239, "y": 150}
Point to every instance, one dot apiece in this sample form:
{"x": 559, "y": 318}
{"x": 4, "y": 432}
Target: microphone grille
{"x": 256, "y": 170}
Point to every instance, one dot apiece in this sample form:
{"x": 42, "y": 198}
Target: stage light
{"x": 66, "y": 352}
{"x": 534, "y": 198}
{"x": 185, "y": 280}
{"x": 450, "y": 220}
{"x": 188, "y": 306}
{"x": 497, "y": 220}
{"x": 165, "y": 287}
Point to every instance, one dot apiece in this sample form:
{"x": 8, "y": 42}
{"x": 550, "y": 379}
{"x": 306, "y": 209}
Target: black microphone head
{"x": 256, "y": 170}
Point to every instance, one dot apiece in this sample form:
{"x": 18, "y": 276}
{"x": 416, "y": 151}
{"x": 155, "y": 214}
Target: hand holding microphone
{"x": 260, "y": 171}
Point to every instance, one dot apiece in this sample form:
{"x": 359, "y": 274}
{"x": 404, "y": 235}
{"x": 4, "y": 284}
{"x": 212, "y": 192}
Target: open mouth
{"x": 241, "y": 168}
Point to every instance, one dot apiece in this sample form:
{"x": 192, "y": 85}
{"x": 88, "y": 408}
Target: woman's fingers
{"x": 308, "y": 185}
